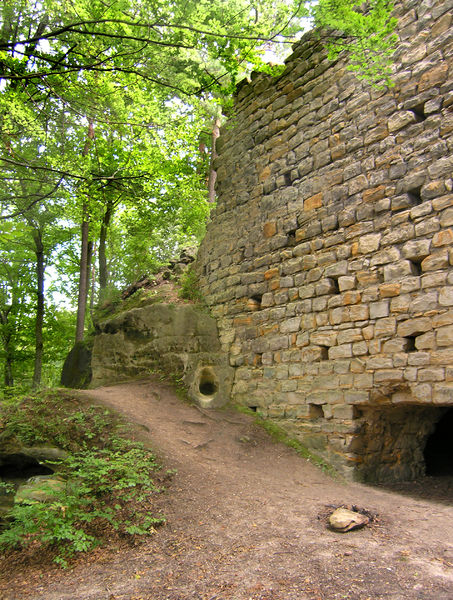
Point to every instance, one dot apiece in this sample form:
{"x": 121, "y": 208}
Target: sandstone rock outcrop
{"x": 179, "y": 339}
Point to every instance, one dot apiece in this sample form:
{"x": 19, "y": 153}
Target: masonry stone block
{"x": 442, "y": 393}
{"x": 369, "y": 243}
{"x": 444, "y": 336}
{"x": 416, "y": 249}
{"x": 343, "y": 351}
{"x": 398, "y": 270}
{"x": 413, "y": 327}
{"x": 437, "y": 260}
{"x": 324, "y": 338}
{"x": 425, "y": 341}
{"x": 446, "y": 296}
{"x": 401, "y": 119}
{"x": 436, "y": 280}
{"x": 389, "y": 255}
{"x": 379, "y": 309}
{"x": 359, "y": 312}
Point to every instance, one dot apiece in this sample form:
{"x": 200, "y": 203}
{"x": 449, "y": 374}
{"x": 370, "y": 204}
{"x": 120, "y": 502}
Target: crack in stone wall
{"x": 328, "y": 260}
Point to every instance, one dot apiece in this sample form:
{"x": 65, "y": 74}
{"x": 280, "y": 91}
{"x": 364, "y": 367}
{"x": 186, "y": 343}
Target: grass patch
{"x": 105, "y": 485}
{"x": 278, "y": 434}
{"x": 115, "y": 305}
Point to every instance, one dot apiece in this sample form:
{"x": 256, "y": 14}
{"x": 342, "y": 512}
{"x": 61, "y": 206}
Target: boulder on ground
{"x": 76, "y": 371}
{"x": 43, "y": 488}
{"x": 344, "y": 520}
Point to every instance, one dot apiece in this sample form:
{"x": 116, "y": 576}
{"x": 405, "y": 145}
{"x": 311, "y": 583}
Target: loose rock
{"x": 344, "y": 520}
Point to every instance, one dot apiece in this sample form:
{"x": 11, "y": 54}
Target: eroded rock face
{"x": 29, "y": 468}
{"x": 42, "y": 488}
{"x": 14, "y": 456}
{"x": 77, "y": 367}
{"x": 178, "y": 339}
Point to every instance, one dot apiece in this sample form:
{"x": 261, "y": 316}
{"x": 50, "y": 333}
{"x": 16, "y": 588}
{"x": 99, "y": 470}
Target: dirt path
{"x": 244, "y": 523}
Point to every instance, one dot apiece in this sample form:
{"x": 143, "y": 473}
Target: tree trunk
{"x": 8, "y": 380}
{"x": 83, "y": 281}
{"x": 40, "y": 267}
{"x": 103, "y": 273}
{"x": 212, "y": 172}
{"x": 89, "y": 259}
{"x": 92, "y": 283}
{"x": 84, "y": 253}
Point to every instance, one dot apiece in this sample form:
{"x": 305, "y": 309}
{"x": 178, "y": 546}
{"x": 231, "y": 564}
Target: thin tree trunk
{"x": 8, "y": 371}
{"x": 84, "y": 253}
{"x": 8, "y": 380}
{"x": 92, "y": 283}
{"x": 89, "y": 259}
{"x": 212, "y": 172}
{"x": 103, "y": 273}
{"x": 83, "y": 287}
{"x": 39, "y": 346}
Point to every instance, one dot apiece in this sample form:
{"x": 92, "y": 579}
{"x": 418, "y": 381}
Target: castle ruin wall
{"x": 328, "y": 259}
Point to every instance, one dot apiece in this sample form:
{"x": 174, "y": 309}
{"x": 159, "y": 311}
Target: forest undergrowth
{"x": 105, "y": 484}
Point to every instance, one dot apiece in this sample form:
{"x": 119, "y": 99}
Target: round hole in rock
{"x": 439, "y": 447}
{"x": 207, "y": 385}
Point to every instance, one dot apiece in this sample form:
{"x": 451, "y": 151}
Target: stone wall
{"x": 328, "y": 260}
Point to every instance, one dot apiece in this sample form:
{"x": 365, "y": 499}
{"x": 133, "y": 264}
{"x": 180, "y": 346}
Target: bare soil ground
{"x": 246, "y": 520}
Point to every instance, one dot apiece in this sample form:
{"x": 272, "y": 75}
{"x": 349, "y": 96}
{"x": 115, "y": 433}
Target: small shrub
{"x": 190, "y": 289}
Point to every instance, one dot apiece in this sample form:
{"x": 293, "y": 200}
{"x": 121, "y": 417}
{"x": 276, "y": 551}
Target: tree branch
{"x": 30, "y": 206}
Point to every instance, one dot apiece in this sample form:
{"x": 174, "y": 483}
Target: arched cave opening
{"x": 21, "y": 467}
{"x": 404, "y": 442}
{"x": 439, "y": 447}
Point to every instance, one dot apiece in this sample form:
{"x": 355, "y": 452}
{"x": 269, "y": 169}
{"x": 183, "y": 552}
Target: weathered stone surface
{"x": 357, "y": 207}
{"x": 435, "y": 261}
{"x": 369, "y": 243}
{"x": 401, "y": 119}
{"x": 178, "y": 339}
{"x": 446, "y": 296}
{"x": 42, "y": 488}
{"x": 15, "y": 454}
{"x": 76, "y": 371}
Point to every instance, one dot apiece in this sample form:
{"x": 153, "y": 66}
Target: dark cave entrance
{"x": 404, "y": 442}
{"x": 438, "y": 452}
{"x": 21, "y": 467}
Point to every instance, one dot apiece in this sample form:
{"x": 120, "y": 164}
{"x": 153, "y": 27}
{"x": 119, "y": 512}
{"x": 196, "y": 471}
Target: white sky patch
{"x": 44, "y": 46}
{"x": 282, "y": 51}
{"x": 61, "y": 301}
{"x": 19, "y": 48}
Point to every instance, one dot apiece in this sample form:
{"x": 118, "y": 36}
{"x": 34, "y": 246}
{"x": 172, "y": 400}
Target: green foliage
{"x": 180, "y": 46}
{"x": 36, "y": 419}
{"x": 190, "y": 289}
{"x": 363, "y": 32}
{"x": 108, "y": 479}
